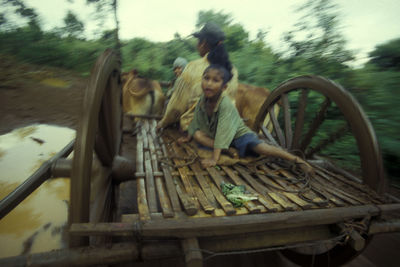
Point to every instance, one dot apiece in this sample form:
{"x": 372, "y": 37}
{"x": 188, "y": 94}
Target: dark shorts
{"x": 245, "y": 144}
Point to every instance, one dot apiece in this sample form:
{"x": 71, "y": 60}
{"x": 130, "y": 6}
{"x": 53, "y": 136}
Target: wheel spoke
{"x": 268, "y": 135}
{"x": 302, "y": 104}
{"x": 288, "y": 120}
{"x": 277, "y": 128}
{"x": 109, "y": 131}
{"x": 116, "y": 110}
{"x": 333, "y": 137}
{"x": 102, "y": 150}
{"x": 318, "y": 120}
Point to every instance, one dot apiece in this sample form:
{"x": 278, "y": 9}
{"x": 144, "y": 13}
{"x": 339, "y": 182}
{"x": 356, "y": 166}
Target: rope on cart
{"x": 340, "y": 239}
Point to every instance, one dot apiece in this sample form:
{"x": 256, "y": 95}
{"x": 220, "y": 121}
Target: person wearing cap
{"x": 178, "y": 66}
{"x": 187, "y": 88}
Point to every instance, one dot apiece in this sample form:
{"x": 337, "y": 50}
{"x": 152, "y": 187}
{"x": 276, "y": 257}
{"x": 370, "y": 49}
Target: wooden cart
{"x": 180, "y": 210}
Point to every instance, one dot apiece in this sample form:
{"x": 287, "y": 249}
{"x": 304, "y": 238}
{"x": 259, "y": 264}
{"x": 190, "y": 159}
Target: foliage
{"x": 73, "y": 26}
{"x": 387, "y": 56}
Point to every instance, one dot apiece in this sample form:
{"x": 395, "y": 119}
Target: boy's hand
{"x": 159, "y": 125}
{"x": 184, "y": 139}
{"x": 208, "y": 163}
{"x": 304, "y": 166}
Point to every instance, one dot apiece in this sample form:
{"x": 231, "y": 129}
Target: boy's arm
{"x": 212, "y": 161}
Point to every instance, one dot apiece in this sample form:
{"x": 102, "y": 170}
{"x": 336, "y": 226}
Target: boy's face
{"x": 178, "y": 71}
{"x": 212, "y": 83}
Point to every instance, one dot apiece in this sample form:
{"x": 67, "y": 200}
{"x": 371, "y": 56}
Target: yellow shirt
{"x": 187, "y": 92}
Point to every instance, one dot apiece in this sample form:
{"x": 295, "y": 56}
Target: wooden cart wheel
{"x": 307, "y": 130}
{"x": 307, "y": 125}
{"x": 99, "y": 130}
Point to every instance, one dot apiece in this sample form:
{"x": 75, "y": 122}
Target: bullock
{"x": 248, "y": 101}
{"x": 141, "y": 96}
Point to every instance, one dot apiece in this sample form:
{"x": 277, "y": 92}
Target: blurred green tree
{"x": 73, "y": 26}
{"x": 387, "y": 56}
{"x": 103, "y": 7}
{"x": 317, "y": 39}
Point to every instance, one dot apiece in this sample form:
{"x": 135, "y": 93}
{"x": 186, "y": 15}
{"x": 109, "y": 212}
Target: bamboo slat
{"x": 141, "y": 186}
{"x": 336, "y": 192}
{"x": 260, "y": 190}
{"x": 277, "y": 196}
{"x": 205, "y": 186}
{"x": 172, "y": 193}
{"x": 309, "y": 194}
{"x": 187, "y": 201}
{"x": 291, "y": 196}
{"x": 150, "y": 187}
{"x": 226, "y": 205}
{"x": 351, "y": 186}
{"x": 162, "y": 194}
{"x": 183, "y": 171}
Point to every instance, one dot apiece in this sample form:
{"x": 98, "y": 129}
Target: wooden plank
{"x": 331, "y": 188}
{"x": 338, "y": 202}
{"x": 142, "y": 200}
{"x": 229, "y": 225}
{"x": 259, "y": 189}
{"x": 267, "y": 239}
{"x": 186, "y": 200}
{"x": 169, "y": 181}
{"x": 360, "y": 189}
{"x": 291, "y": 196}
{"x": 250, "y": 205}
{"x": 164, "y": 200}
{"x": 308, "y": 193}
{"x": 348, "y": 191}
{"x": 150, "y": 187}
{"x": 278, "y": 197}
{"x": 218, "y": 179}
{"x": 208, "y": 206}
{"x": 203, "y": 182}
{"x": 141, "y": 187}
{"x": 183, "y": 171}
{"x": 225, "y": 204}
{"x": 201, "y": 197}
{"x": 162, "y": 195}
{"x": 216, "y": 176}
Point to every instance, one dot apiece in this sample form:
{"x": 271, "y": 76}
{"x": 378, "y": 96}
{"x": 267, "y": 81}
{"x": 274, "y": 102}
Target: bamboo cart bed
{"x": 171, "y": 183}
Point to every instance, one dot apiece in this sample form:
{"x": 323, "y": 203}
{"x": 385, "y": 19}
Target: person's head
{"x": 179, "y": 65}
{"x": 209, "y": 37}
{"x": 214, "y": 80}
